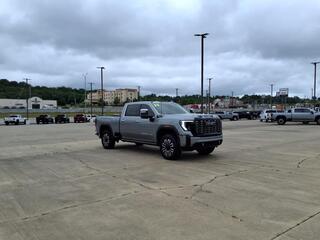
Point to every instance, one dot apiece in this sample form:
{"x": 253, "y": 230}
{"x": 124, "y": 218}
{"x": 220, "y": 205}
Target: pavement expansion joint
{"x": 296, "y": 225}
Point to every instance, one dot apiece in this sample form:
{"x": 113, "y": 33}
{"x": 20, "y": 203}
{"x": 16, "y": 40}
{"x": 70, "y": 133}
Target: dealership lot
{"x": 57, "y": 182}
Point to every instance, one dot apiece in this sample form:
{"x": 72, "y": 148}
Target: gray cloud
{"x": 151, "y": 43}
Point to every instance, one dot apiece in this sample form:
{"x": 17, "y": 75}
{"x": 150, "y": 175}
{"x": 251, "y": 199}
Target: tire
{"x": 305, "y": 122}
{"x": 38, "y": 122}
{"x": 169, "y": 147}
{"x": 16, "y": 123}
{"x": 281, "y": 121}
{"x": 107, "y": 139}
{"x": 7, "y": 123}
{"x": 235, "y": 119}
{"x": 25, "y": 122}
{"x": 318, "y": 121}
{"x": 138, "y": 144}
{"x": 205, "y": 148}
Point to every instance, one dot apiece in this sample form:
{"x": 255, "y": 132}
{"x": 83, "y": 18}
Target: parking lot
{"x": 57, "y": 182}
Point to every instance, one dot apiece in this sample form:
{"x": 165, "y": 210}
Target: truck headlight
{"x": 186, "y": 125}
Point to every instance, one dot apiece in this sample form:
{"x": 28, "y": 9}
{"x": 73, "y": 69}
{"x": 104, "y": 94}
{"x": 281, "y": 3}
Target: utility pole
{"x": 207, "y": 93}
{"x": 315, "y": 80}
{"x": 311, "y": 93}
{"x": 203, "y": 36}
{"x": 232, "y": 98}
{"x": 209, "y": 79}
{"x": 139, "y": 88}
{"x": 91, "y": 83}
{"x": 27, "y": 101}
{"x": 271, "y": 85}
{"x": 101, "y": 78}
{"x": 85, "y": 91}
{"x": 177, "y": 92}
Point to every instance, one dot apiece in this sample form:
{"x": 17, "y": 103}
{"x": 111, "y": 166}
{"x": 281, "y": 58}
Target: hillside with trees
{"x": 72, "y": 96}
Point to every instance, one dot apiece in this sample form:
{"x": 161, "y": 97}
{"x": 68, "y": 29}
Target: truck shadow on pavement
{"x": 153, "y": 151}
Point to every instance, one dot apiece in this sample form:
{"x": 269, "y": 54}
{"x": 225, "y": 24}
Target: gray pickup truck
{"x": 304, "y": 115}
{"x": 165, "y": 124}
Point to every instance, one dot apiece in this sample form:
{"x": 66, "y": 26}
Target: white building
{"x": 34, "y": 103}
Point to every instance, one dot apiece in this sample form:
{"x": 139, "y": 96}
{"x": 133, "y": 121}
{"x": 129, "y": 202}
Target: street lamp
{"x": 203, "y": 36}
{"x": 101, "y": 78}
{"x": 27, "y": 101}
{"x": 85, "y": 90}
{"x": 315, "y": 80}
{"x": 209, "y": 105}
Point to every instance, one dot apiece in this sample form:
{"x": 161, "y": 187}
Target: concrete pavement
{"x": 57, "y": 182}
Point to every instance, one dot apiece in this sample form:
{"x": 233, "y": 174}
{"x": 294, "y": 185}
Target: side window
{"x": 133, "y": 110}
{"x": 145, "y": 106}
{"x": 298, "y": 110}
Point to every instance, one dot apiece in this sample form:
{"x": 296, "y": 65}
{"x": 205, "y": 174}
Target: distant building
{"x": 34, "y": 103}
{"x": 120, "y": 96}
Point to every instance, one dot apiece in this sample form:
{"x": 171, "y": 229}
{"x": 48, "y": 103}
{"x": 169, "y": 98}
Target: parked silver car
{"x": 227, "y": 115}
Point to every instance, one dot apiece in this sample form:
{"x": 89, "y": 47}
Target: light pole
{"x": 315, "y": 80}
{"x": 203, "y": 36}
{"x": 101, "y": 78}
{"x": 139, "y": 88}
{"x": 91, "y": 83}
{"x": 271, "y": 86}
{"x": 209, "y": 104}
{"x": 85, "y": 90}
{"x": 27, "y": 101}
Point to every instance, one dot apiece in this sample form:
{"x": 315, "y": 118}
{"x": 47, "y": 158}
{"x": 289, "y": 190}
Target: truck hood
{"x": 188, "y": 116}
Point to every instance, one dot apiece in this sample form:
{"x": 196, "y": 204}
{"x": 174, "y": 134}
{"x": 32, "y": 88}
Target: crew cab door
{"x": 146, "y": 129}
{"x": 128, "y": 122}
{"x": 301, "y": 114}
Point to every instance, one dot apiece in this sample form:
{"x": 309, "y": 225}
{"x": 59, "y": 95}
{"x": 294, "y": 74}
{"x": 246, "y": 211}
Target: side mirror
{"x": 312, "y": 112}
{"x": 191, "y": 111}
{"x": 144, "y": 113}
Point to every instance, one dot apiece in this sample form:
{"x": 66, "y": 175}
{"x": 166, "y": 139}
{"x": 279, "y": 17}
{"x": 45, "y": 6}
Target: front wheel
{"x": 281, "y": 121}
{"x": 169, "y": 147}
{"x": 205, "y": 148}
{"x": 7, "y": 123}
{"x": 107, "y": 139}
{"x": 235, "y": 118}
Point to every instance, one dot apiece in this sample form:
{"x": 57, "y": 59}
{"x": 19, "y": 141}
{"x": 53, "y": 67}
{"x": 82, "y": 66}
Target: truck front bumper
{"x": 188, "y": 141}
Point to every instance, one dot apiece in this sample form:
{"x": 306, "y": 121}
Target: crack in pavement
{"x": 87, "y": 203}
{"x": 305, "y": 159}
{"x": 201, "y": 186}
{"x": 296, "y": 225}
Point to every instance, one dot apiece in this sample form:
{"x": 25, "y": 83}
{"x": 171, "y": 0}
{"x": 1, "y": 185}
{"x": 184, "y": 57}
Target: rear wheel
{"x": 7, "y": 123}
{"x": 25, "y": 122}
{"x": 235, "y": 118}
{"x": 281, "y": 121}
{"x": 305, "y": 122}
{"x": 169, "y": 147}
{"x": 205, "y": 148}
{"x": 107, "y": 139}
{"x": 318, "y": 121}
{"x": 138, "y": 144}
{"x": 16, "y": 123}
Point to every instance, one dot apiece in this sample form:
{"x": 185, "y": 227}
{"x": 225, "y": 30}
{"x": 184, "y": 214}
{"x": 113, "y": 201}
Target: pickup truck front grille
{"x": 207, "y": 127}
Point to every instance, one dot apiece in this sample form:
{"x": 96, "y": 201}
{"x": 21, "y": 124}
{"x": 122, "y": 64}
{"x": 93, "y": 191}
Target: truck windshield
{"x": 169, "y": 108}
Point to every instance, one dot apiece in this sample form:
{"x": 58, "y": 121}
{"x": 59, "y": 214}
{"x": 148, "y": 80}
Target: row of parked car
{"x": 46, "y": 119}
{"x": 234, "y": 116}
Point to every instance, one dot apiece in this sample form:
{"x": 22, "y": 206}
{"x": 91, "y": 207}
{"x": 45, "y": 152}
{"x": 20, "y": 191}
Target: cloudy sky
{"x": 150, "y": 43}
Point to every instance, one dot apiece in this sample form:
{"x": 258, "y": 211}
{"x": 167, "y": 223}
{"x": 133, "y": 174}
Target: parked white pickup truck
{"x": 15, "y": 119}
{"x": 304, "y": 115}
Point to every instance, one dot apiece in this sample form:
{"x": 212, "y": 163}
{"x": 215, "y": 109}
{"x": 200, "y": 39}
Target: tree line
{"x": 73, "y": 96}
